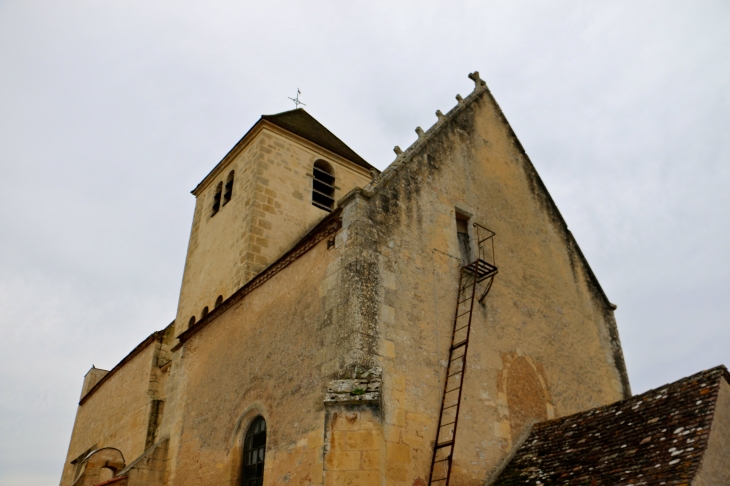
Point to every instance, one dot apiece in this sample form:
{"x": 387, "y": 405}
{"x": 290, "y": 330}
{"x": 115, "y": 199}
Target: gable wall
{"x": 544, "y": 344}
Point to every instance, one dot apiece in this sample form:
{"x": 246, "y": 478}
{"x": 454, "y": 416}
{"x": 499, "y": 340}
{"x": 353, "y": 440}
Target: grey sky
{"x": 111, "y": 112}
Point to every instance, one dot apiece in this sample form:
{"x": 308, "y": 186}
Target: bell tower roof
{"x": 301, "y": 123}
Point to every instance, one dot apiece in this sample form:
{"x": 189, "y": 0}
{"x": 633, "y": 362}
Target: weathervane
{"x": 296, "y": 100}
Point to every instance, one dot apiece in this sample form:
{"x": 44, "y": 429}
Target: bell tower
{"x": 283, "y": 177}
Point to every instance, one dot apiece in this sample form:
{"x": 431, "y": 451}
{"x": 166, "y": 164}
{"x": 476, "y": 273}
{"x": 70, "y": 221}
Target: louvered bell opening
{"x": 323, "y": 190}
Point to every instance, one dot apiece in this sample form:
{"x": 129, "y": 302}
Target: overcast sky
{"x": 111, "y": 112}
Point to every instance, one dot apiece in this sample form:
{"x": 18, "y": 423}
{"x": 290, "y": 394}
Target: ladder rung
{"x": 458, "y": 345}
{"x": 458, "y": 357}
{"x": 444, "y": 425}
{"x": 452, "y": 374}
{"x": 450, "y": 406}
{"x": 453, "y": 389}
{"x": 445, "y": 444}
{"x": 465, "y": 313}
{"x": 444, "y": 459}
{"x": 462, "y": 327}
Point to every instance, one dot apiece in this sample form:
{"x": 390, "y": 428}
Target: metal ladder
{"x": 470, "y": 276}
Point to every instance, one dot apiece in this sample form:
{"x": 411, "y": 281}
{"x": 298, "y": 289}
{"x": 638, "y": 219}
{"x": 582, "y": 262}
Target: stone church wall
{"x": 117, "y": 413}
{"x": 212, "y": 255}
{"x": 262, "y": 357}
{"x": 544, "y": 344}
{"x": 380, "y": 294}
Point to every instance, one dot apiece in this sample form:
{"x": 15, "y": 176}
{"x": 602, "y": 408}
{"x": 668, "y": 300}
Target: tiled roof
{"x": 301, "y": 123}
{"x": 657, "y": 437}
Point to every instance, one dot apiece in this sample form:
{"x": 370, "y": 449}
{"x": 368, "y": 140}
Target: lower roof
{"x": 658, "y": 437}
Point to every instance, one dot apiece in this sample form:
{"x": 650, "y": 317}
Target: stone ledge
{"x": 363, "y": 388}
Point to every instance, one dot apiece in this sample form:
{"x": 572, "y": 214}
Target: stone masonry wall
{"x": 282, "y": 197}
{"x": 264, "y": 356}
{"x": 354, "y": 452}
{"x": 379, "y": 295}
{"x": 213, "y": 255}
{"x": 544, "y": 342}
{"x": 118, "y": 413}
{"x": 270, "y": 210}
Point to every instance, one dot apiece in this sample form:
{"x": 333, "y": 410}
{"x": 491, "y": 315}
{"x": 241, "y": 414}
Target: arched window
{"x": 218, "y": 301}
{"x": 217, "y": 198}
{"x": 323, "y": 186}
{"x": 228, "y": 193}
{"x": 191, "y": 321}
{"x": 204, "y": 312}
{"x": 254, "y": 450}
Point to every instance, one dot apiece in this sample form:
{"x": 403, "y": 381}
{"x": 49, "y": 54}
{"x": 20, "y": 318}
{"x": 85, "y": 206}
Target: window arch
{"x": 228, "y": 193}
{"x": 323, "y": 186}
{"x": 191, "y": 322}
{"x": 217, "y": 199}
{"x": 254, "y": 451}
{"x": 204, "y": 312}
{"x": 218, "y": 301}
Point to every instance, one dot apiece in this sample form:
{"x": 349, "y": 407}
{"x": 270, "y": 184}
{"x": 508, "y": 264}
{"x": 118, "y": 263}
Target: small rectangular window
{"x": 462, "y": 233}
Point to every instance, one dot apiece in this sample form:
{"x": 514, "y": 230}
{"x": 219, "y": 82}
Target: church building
{"x": 433, "y": 324}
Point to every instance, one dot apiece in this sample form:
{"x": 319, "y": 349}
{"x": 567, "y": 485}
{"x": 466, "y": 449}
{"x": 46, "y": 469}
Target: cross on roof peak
{"x": 296, "y": 100}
